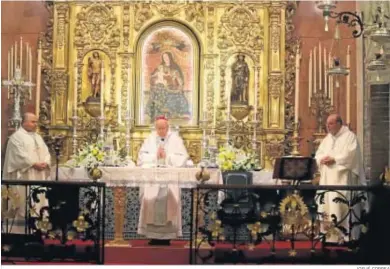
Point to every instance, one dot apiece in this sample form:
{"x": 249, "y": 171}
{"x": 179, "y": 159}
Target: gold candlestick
{"x": 296, "y": 138}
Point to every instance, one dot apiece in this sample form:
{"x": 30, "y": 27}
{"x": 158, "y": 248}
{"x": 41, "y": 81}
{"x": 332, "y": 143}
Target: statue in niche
{"x": 95, "y": 65}
{"x": 240, "y": 81}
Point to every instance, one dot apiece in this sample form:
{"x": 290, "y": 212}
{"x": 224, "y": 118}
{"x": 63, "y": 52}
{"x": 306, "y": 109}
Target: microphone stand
{"x": 58, "y": 140}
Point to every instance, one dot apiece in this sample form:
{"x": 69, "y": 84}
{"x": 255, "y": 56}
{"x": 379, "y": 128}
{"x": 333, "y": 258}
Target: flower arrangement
{"x": 95, "y": 155}
{"x": 230, "y": 158}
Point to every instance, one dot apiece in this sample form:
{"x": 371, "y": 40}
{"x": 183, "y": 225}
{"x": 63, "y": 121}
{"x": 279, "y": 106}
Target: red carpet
{"x": 178, "y": 252}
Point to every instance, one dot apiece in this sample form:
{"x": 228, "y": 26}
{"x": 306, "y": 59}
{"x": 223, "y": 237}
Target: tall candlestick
{"x": 101, "y": 90}
{"x": 30, "y": 64}
{"x": 21, "y": 55}
{"x": 9, "y": 71}
{"x": 348, "y": 86}
{"x": 330, "y": 81}
{"x": 38, "y": 84}
{"x": 326, "y": 90}
{"x": 16, "y": 55}
{"x": 320, "y": 66}
{"x": 12, "y": 62}
{"x": 27, "y": 64}
{"x": 297, "y": 56}
{"x": 310, "y": 76}
{"x": 315, "y": 70}
{"x": 256, "y": 93}
{"x": 75, "y": 89}
{"x": 128, "y": 90}
{"x": 227, "y": 102}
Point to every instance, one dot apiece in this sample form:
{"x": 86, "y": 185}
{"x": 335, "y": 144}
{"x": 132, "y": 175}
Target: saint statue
{"x": 94, "y": 73}
{"x": 240, "y": 81}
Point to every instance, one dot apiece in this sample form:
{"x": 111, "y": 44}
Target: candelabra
{"x": 127, "y": 136}
{"x": 18, "y": 83}
{"x": 203, "y": 125}
{"x": 75, "y": 119}
{"x": 212, "y": 150}
{"x": 255, "y": 124}
{"x": 228, "y": 124}
{"x": 296, "y": 138}
{"x": 101, "y": 135}
{"x": 320, "y": 107}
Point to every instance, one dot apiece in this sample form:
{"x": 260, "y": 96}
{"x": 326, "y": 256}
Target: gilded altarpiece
{"x": 205, "y": 42}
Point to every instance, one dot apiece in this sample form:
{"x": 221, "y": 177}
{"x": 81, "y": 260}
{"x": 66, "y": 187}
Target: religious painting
{"x": 168, "y": 56}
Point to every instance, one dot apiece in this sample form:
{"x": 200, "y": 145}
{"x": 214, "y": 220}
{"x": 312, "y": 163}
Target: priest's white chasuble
{"x": 160, "y": 213}
{"x": 347, "y": 171}
{"x": 23, "y": 150}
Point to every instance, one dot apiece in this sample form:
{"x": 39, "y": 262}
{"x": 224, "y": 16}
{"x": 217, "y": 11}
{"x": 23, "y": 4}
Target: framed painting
{"x": 167, "y": 75}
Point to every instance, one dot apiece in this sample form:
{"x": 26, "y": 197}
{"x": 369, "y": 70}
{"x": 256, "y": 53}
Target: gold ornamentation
{"x": 59, "y": 80}
{"x": 275, "y": 28}
{"x": 275, "y": 81}
{"x": 254, "y": 229}
{"x": 194, "y": 149}
{"x": 95, "y": 173}
{"x": 196, "y": 12}
{"x": 274, "y": 148}
{"x": 62, "y": 11}
{"x": 119, "y": 216}
{"x": 126, "y": 25}
{"x": 10, "y": 197}
{"x": 294, "y": 214}
{"x": 143, "y": 12}
{"x": 385, "y": 176}
{"x": 203, "y": 175}
{"x": 169, "y": 9}
{"x": 44, "y": 225}
{"x": 80, "y": 224}
{"x": 215, "y": 227}
{"x": 99, "y": 20}
{"x": 240, "y": 25}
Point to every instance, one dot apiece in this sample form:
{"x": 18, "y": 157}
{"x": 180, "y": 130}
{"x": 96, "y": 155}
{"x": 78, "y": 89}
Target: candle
{"x": 21, "y": 55}
{"x": 256, "y": 93}
{"x": 16, "y": 55}
{"x": 101, "y": 90}
{"x": 227, "y": 102}
{"x": 27, "y": 64}
{"x": 75, "y": 89}
{"x": 297, "y": 85}
{"x": 9, "y": 71}
{"x": 38, "y": 85}
{"x": 315, "y": 70}
{"x": 310, "y": 76}
{"x": 30, "y": 65}
{"x": 326, "y": 90}
{"x": 330, "y": 81}
{"x": 348, "y": 86}
{"x": 320, "y": 66}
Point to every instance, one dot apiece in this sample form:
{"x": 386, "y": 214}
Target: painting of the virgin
{"x": 167, "y": 79}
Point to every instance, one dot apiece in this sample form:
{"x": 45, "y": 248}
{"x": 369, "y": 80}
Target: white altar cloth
{"x": 137, "y": 176}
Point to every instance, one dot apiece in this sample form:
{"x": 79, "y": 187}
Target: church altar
{"x": 122, "y": 195}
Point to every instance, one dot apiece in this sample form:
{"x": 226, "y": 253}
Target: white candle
{"x": 348, "y": 86}
{"x": 320, "y": 66}
{"x": 315, "y": 70}
{"x": 297, "y": 85}
{"x": 330, "y": 81}
{"x": 101, "y": 90}
{"x": 9, "y": 71}
{"x": 12, "y": 62}
{"x": 75, "y": 89}
{"x": 16, "y": 54}
{"x": 256, "y": 92}
{"x": 27, "y": 64}
{"x": 310, "y": 76}
{"x": 21, "y": 55}
{"x": 38, "y": 84}
{"x": 30, "y": 65}
{"x": 326, "y": 90}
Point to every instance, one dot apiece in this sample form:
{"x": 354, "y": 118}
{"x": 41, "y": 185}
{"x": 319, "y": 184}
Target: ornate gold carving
{"x": 196, "y": 12}
{"x": 169, "y": 9}
{"x": 240, "y": 26}
{"x": 210, "y": 29}
{"x": 99, "y": 22}
{"x": 274, "y": 148}
{"x": 60, "y": 82}
{"x": 294, "y": 213}
{"x": 275, "y": 27}
{"x": 194, "y": 149}
{"x": 126, "y": 25}
{"x": 143, "y": 13}
{"x": 275, "y": 81}
{"x": 62, "y": 10}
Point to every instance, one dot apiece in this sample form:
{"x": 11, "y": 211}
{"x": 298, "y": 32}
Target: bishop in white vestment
{"x": 160, "y": 213}
{"x": 27, "y": 158}
{"x": 339, "y": 162}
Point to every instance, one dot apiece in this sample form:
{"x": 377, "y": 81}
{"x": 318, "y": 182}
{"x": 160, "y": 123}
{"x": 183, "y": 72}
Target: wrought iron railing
{"x": 52, "y": 221}
{"x": 233, "y": 224}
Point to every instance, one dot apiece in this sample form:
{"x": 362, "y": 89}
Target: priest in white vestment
{"x": 160, "y": 213}
{"x": 27, "y": 158}
{"x": 339, "y": 162}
